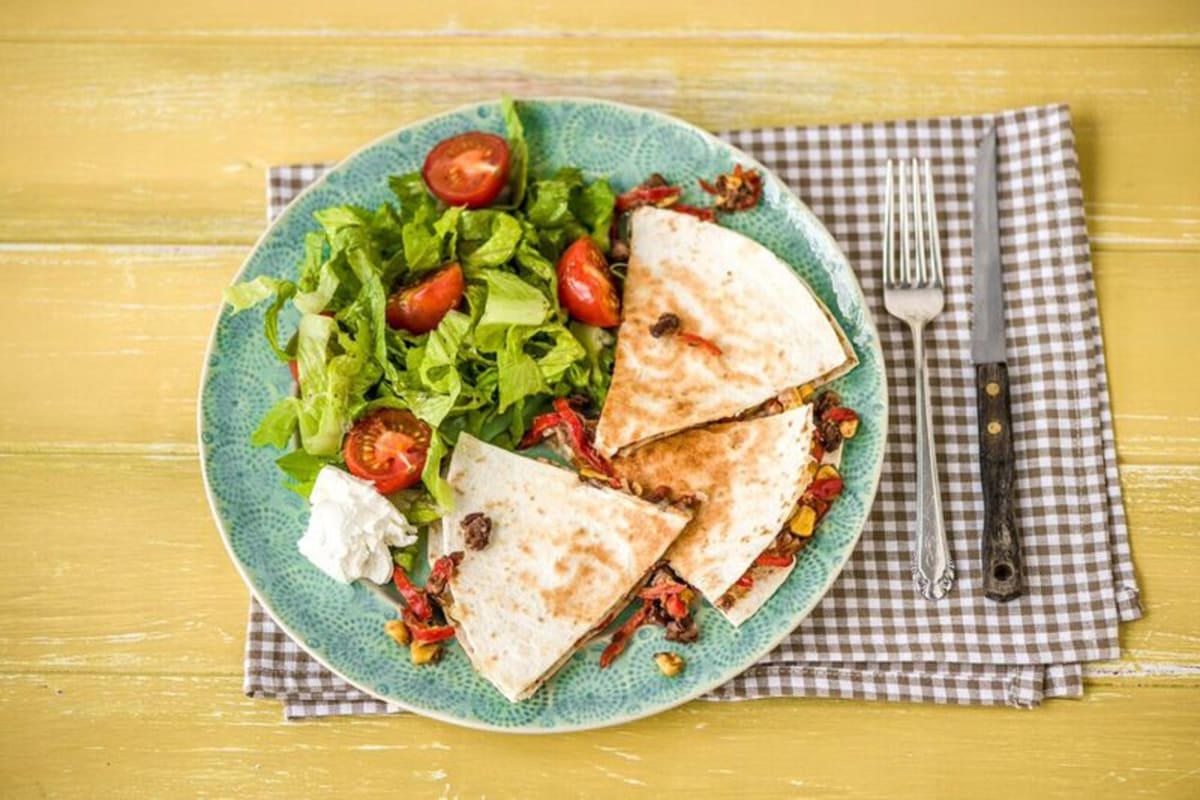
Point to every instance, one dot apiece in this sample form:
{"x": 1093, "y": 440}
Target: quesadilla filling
{"x": 657, "y": 191}
{"x": 739, "y": 190}
{"x": 834, "y": 425}
{"x": 576, "y": 433}
{"x": 423, "y": 626}
{"x": 666, "y": 601}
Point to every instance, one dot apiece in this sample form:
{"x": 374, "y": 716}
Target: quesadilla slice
{"x": 559, "y": 560}
{"x": 714, "y": 324}
{"x": 750, "y": 476}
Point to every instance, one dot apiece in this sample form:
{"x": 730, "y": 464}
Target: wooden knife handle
{"x": 1001, "y": 546}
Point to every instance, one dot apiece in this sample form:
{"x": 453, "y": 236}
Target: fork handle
{"x": 932, "y": 567}
{"x": 1001, "y": 547}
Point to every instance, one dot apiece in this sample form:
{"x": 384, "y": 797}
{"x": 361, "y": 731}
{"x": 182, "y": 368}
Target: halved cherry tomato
{"x": 585, "y": 286}
{"x": 419, "y": 308}
{"x": 467, "y": 170}
{"x": 388, "y": 447}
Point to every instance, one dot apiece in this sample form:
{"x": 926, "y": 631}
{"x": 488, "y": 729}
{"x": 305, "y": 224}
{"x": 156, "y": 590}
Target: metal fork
{"x": 912, "y": 291}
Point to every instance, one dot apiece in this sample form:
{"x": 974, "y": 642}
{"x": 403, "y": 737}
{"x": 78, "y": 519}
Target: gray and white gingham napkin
{"x": 873, "y": 636}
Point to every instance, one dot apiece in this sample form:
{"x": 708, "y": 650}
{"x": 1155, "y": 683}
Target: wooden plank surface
{"x": 195, "y": 736}
{"x": 133, "y": 140}
{"x": 1158, "y": 23}
{"x": 101, "y": 159}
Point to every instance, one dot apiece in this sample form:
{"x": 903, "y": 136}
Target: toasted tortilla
{"x": 773, "y": 332}
{"x": 562, "y": 559}
{"x": 750, "y": 475}
{"x": 767, "y": 580}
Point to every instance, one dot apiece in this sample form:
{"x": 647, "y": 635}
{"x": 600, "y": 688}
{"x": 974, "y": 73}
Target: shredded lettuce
{"x": 487, "y": 368}
{"x": 302, "y": 468}
{"x": 518, "y": 160}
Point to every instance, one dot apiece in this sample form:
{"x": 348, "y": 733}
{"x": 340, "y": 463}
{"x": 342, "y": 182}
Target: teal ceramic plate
{"x": 342, "y": 626}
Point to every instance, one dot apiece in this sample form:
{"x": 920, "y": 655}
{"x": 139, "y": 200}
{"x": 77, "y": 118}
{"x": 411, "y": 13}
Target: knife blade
{"x": 1002, "y": 579}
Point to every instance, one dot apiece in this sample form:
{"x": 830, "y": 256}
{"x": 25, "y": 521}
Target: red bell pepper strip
{"x": 442, "y": 569}
{"x": 773, "y": 560}
{"x": 661, "y": 590}
{"x": 578, "y": 438}
{"x": 426, "y": 634}
{"x": 840, "y": 414}
{"x": 620, "y": 639}
{"x": 647, "y": 196}
{"x": 706, "y": 214}
{"x": 416, "y": 599}
{"x": 675, "y": 607}
{"x": 826, "y": 488}
{"x": 699, "y": 341}
{"x": 746, "y": 581}
{"x": 542, "y": 424}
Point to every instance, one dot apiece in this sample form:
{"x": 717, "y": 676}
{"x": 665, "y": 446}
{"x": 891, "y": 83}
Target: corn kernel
{"x": 398, "y": 631}
{"x": 806, "y": 392}
{"x": 669, "y": 664}
{"x": 424, "y": 653}
{"x": 848, "y": 428}
{"x": 587, "y": 472}
{"x": 803, "y": 521}
{"x": 827, "y": 471}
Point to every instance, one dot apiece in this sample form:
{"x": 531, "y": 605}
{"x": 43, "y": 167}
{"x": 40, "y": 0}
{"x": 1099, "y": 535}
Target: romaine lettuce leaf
{"x": 518, "y": 374}
{"x": 248, "y": 294}
{"x": 431, "y": 476}
{"x": 518, "y": 160}
{"x": 511, "y": 301}
{"x": 503, "y": 236}
{"x": 415, "y": 199}
{"x": 548, "y": 204}
{"x": 277, "y": 425}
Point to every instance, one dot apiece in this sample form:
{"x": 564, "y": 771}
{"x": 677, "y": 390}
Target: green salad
{"x": 434, "y": 314}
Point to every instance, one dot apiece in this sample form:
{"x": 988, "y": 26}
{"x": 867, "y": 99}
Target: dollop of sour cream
{"x": 351, "y": 527}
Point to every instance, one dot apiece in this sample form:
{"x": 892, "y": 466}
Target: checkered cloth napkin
{"x": 873, "y": 636}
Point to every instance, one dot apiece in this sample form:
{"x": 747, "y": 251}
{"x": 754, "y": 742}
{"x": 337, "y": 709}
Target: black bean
{"x": 667, "y": 323}
{"x": 477, "y": 530}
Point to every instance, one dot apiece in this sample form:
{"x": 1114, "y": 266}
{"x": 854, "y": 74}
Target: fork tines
{"x": 908, "y": 182}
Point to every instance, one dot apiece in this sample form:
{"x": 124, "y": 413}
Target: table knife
{"x": 1002, "y": 579}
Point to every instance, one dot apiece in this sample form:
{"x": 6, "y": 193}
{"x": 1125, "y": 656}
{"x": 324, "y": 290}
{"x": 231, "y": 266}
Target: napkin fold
{"x": 873, "y": 636}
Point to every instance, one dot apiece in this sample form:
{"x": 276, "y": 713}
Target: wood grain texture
{"x": 1161, "y": 23}
{"x": 133, "y": 140}
{"x": 99, "y": 126}
{"x": 195, "y": 736}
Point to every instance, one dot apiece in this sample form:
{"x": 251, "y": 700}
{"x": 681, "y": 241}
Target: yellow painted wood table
{"x": 133, "y": 140}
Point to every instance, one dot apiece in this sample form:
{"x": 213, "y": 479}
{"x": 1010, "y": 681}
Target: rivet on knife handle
{"x": 1002, "y": 579}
